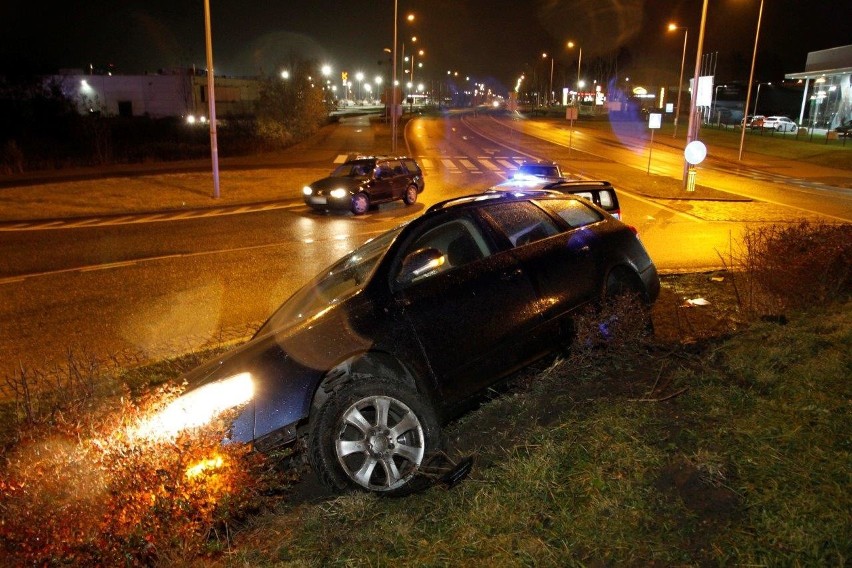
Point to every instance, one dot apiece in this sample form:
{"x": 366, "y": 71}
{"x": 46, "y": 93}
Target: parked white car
{"x": 780, "y": 124}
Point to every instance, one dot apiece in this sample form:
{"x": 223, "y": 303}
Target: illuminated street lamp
{"x": 571, "y": 45}
{"x": 410, "y": 18}
{"x": 359, "y": 77}
{"x": 550, "y": 92}
{"x": 756, "y": 97}
{"x": 673, "y": 27}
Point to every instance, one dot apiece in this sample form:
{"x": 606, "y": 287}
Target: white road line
{"x": 450, "y": 165}
{"x": 505, "y": 163}
{"x": 489, "y": 165}
{"x": 470, "y": 165}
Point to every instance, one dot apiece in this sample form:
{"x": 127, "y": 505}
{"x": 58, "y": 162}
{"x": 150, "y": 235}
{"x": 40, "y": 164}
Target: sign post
{"x": 571, "y": 114}
{"x": 694, "y": 153}
{"x": 655, "y": 121}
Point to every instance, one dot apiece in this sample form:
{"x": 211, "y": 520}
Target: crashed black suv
{"x": 369, "y": 359}
{"x": 362, "y": 182}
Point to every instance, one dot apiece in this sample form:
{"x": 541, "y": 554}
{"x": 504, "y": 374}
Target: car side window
{"x": 396, "y": 167}
{"x": 522, "y": 222}
{"x": 412, "y": 167}
{"x": 383, "y": 171}
{"x": 573, "y": 211}
{"x": 449, "y": 245}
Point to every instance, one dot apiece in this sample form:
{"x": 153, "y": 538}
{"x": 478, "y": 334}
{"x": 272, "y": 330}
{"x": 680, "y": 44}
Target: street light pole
{"x": 673, "y": 27}
{"x": 750, "y": 79}
{"x": 211, "y": 101}
{"x": 692, "y": 130}
{"x": 579, "y": 63}
{"x": 393, "y": 80}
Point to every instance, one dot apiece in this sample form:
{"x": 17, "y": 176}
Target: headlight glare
{"x": 307, "y": 190}
{"x": 339, "y": 193}
{"x": 199, "y": 407}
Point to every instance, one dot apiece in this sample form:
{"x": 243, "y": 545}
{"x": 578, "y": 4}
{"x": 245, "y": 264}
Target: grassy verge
{"x": 815, "y": 150}
{"x": 736, "y": 454}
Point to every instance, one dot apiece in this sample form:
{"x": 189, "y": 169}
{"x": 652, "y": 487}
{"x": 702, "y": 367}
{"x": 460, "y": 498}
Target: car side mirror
{"x": 420, "y": 263}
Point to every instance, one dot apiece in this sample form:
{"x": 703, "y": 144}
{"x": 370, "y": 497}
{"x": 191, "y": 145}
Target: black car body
{"x": 844, "y": 129}
{"x": 369, "y": 358}
{"x": 362, "y": 182}
{"x": 599, "y": 192}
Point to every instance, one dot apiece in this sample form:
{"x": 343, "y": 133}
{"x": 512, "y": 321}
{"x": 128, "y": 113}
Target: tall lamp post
{"x": 750, "y": 79}
{"x": 550, "y": 92}
{"x": 571, "y": 45}
{"x": 692, "y": 130}
{"x": 211, "y": 101}
{"x": 673, "y": 27}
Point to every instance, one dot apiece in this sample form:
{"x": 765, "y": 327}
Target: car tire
{"x": 410, "y": 195}
{"x": 360, "y": 204}
{"x": 374, "y": 435}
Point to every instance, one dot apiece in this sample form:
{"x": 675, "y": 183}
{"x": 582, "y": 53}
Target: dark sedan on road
{"x": 363, "y": 182}
{"x": 367, "y": 361}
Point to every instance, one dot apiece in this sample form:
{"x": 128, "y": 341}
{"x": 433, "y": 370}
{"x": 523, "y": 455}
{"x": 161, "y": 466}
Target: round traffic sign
{"x": 695, "y": 152}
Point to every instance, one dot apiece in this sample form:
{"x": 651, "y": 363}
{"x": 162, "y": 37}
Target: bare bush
{"x": 621, "y": 324}
{"x": 794, "y": 266}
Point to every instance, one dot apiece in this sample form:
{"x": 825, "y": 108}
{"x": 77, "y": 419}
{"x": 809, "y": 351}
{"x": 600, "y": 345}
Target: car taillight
{"x": 616, "y": 213}
{"x": 634, "y": 229}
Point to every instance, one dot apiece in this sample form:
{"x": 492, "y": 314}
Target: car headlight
{"x": 339, "y": 193}
{"x": 307, "y": 190}
{"x": 199, "y": 407}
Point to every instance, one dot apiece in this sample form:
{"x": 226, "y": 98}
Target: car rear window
{"x": 606, "y": 199}
{"x": 572, "y": 211}
{"x": 522, "y": 222}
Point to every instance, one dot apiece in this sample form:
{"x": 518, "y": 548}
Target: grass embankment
{"x": 767, "y": 146}
{"x": 747, "y": 462}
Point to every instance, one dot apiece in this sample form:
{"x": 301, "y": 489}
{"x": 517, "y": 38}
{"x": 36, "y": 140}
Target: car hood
{"x": 329, "y": 183}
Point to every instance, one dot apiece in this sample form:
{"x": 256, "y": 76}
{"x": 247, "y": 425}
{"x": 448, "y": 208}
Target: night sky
{"x": 495, "y": 39}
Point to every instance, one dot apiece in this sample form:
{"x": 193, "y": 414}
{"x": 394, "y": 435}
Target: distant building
{"x": 177, "y": 93}
{"x": 827, "y": 77}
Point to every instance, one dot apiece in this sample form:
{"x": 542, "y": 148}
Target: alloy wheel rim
{"x": 380, "y": 443}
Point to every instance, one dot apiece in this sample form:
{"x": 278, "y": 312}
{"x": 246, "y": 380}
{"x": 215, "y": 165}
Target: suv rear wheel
{"x": 410, "y": 195}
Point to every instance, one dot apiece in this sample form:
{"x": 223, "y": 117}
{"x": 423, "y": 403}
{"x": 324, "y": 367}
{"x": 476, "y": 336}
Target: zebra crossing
{"x": 457, "y": 165}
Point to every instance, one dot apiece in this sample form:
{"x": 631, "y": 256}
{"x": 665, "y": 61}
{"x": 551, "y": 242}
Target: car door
{"x": 474, "y": 313}
{"x": 558, "y": 257}
{"x": 400, "y": 179}
{"x": 383, "y": 182}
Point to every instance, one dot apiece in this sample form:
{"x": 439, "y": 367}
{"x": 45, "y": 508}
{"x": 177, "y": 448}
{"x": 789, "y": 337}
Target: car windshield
{"x": 331, "y": 286}
{"x": 356, "y": 168}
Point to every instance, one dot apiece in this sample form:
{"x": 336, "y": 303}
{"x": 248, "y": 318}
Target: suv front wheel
{"x": 360, "y": 204}
{"x": 374, "y": 435}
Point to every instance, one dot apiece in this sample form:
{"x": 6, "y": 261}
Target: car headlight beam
{"x": 339, "y": 193}
{"x": 199, "y": 407}
{"x": 307, "y": 190}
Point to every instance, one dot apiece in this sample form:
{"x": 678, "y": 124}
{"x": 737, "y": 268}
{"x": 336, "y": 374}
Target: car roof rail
{"x": 578, "y": 183}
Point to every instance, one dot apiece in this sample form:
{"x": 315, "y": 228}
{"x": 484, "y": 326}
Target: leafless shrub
{"x": 795, "y": 266}
{"x": 620, "y": 324}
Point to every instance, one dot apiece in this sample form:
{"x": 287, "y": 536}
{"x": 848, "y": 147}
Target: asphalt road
{"x": 143, "y": 291}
